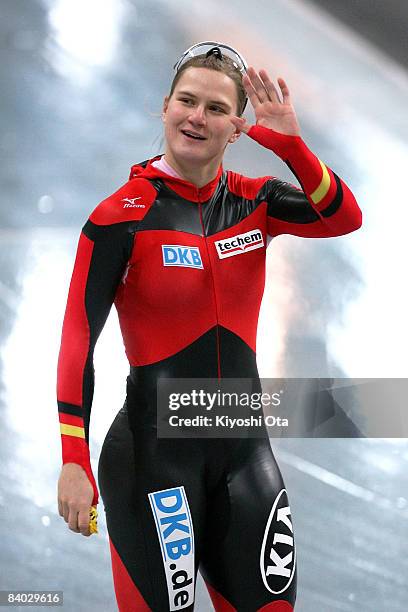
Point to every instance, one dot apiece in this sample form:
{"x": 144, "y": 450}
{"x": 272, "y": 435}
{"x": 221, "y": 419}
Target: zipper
{"x": 213, "y": 284}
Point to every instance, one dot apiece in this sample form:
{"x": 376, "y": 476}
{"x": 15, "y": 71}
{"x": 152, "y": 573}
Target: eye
{"x": 186, "y": 100}
{"x": 217, "y": 109}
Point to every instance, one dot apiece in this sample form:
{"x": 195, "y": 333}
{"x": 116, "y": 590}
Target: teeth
{"x": 193, "y": 135}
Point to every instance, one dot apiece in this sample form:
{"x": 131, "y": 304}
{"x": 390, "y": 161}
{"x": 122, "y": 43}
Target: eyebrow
{"x": 219, "y": 102}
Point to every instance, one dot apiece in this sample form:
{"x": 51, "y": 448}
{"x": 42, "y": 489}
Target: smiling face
{"x": 196, "y": 117}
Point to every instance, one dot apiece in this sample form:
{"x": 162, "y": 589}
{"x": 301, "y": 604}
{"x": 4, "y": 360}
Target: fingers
{"x": 73, "y": 520}
{"x": 76, "y": 517}
{"x": 263, "y": 94}
{"x": 240, "y": 124}
{"x": 285, "y": 90}
{"x": 63, "y": 509}
{"x": 260, "y": 88}
{"x": 269, "y": 86}
{"x": 249, "y": 88}
{"x": 75, "y": 494}
{"x": 83, "y": 521}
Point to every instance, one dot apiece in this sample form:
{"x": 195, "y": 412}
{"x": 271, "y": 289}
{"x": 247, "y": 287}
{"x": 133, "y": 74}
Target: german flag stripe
{"x": 324, "y": 186}
{"x": 334, "y": 206}
{"x": 69, "y": 419}
{"x": 70, "y": 409}
{"x": 72, "y": 430}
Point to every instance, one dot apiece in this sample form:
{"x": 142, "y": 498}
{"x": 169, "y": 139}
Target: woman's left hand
{"x": 270, "y": 111}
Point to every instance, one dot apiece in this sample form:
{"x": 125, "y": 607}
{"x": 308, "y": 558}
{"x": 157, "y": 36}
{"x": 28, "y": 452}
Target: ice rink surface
{"x": 82, "y": 85}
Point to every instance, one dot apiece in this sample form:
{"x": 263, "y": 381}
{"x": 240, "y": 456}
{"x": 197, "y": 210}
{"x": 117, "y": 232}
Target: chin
{"x": 188, "y": 156}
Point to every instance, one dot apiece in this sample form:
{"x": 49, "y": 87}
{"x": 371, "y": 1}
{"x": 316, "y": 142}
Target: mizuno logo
{"x": 130, "y": 203}
{"x": 241, "y": 243}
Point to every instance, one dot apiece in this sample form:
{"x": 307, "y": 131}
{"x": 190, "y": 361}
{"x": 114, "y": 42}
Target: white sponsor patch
{"x": 184, "y": 256}
{"x": 175, "y": 530}
{"x": 278, "y": 553}
{"x": 239, "y": 244}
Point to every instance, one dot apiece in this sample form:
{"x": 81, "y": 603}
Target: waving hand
{"x": 270, "y": 111}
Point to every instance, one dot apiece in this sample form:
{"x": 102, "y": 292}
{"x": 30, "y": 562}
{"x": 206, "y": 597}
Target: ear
{"x": 165, "y": 106}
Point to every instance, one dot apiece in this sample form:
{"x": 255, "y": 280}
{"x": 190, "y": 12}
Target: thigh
{"x": 250, "y": 564}
{"x": 153, "y": 495}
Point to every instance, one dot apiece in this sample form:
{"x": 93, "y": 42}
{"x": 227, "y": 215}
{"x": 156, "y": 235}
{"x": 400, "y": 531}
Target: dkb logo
{"x": 175, "y": 530}
{"x": 177, "y": 255}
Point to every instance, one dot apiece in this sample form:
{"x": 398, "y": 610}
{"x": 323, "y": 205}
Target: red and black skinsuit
{"x": 227, "y": 509}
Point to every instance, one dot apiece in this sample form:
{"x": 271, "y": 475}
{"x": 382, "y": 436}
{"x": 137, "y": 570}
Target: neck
{"x": 199, "y": 175}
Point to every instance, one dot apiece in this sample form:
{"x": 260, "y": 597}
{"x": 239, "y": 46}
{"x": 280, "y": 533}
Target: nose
{"x": 197, "y": 115}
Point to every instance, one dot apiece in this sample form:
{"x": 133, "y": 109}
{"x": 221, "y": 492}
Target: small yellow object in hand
{"x": 93, "y": 522}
